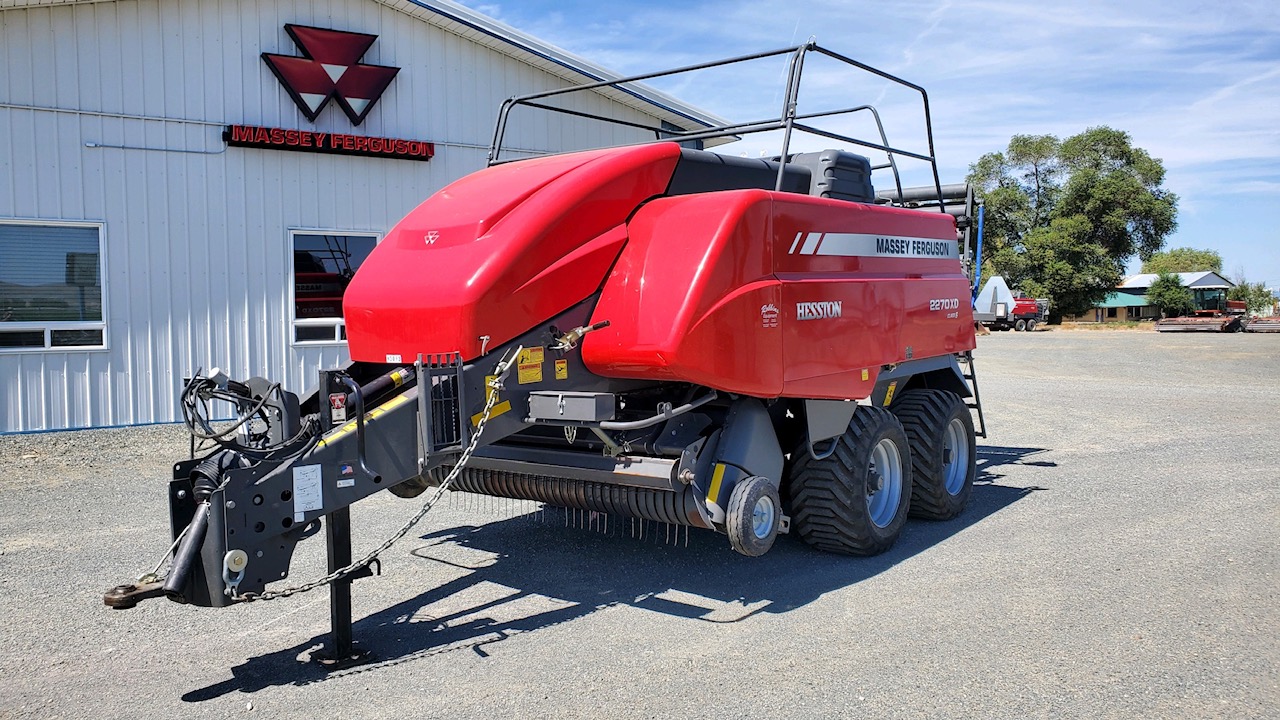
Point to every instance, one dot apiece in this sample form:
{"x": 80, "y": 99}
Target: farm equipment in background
{"x": 1232, "y": 319}
{"x": 998, "y": 308}
{"x": 653, "y": 332}
{"x": 1263, "y": 324}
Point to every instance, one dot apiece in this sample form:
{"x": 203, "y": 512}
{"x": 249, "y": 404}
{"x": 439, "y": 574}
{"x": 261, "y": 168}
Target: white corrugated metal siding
{"x": 197, "y": 261}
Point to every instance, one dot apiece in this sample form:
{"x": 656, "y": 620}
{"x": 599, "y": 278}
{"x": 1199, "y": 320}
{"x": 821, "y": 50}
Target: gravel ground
{"x": 1119, "y": 559}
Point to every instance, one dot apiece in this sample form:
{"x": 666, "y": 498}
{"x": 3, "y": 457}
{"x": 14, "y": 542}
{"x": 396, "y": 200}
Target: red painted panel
{"x": 690, "y": 295}
{"x": 687, "y": 294}
{"x": 499, "y": 251}
{"x": 892, "y": 308}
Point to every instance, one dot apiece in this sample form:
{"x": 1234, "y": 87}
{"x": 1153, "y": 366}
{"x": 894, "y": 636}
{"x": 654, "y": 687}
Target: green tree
{"x": 1168, "y": 294}
{"x": 1064, "y": 217}
{"x": 1255, "y": 295}
{"x": 1183, "y": 260}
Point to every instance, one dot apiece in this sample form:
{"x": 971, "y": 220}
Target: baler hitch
{"x": 123, "y": 597}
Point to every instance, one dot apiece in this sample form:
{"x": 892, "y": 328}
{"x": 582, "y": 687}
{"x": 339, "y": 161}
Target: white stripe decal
{"x": 867, "y": 245}
{"x": 794, "y": 243}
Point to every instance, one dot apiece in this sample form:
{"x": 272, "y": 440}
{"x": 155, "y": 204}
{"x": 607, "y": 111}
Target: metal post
{"x": 342, "y": 652}
{"x": 977, "y": 260}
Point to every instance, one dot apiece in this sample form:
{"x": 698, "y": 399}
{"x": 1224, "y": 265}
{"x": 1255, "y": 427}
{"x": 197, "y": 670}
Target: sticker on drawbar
{"x": 308, "y": 491}
{"x": 348, "y": 472}
{"x": 562, "y": 369}
{"x": 338, "y": 407}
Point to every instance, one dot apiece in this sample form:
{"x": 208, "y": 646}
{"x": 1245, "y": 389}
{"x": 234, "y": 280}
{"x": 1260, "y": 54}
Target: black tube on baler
{"x": 395, "y": 378}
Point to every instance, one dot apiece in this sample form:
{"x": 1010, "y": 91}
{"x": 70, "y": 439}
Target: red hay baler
{"x": 654, "y": 332}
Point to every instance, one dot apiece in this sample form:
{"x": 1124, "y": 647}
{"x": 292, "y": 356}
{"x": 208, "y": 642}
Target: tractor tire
{"x": 855, "y": 501}
{"x": 943, "y": 451}
{"x": 1020, "y": 325}
{"x": 1031, "y": 325}
{"x": 753, "y": 516}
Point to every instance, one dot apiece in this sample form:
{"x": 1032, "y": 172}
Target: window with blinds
{"x": 323, "y": 265}
{"x": 50, "y": 286}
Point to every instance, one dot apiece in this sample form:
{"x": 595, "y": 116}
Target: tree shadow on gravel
{"x": 540, "y": 569}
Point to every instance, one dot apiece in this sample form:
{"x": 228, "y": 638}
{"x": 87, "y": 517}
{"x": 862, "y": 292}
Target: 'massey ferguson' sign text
{"x": 338, "y": 143}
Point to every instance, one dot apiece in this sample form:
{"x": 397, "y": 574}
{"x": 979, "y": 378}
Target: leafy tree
{"x": 1168, "y": 294}
{"x": 1183, "y": 260}
{"x": 1255, "y": 295}
{"x": 1064, "y": 217}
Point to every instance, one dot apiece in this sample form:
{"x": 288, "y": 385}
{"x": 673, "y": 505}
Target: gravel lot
{"x": 1119, "y": 559}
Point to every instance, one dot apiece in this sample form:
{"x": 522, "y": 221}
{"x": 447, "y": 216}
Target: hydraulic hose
{"x": 205, "y": 478}
{"x": 382, "y": 383}
{"x": 185, "y": 557}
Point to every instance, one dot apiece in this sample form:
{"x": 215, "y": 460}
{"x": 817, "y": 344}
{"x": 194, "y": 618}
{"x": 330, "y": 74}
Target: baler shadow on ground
{"x": 537, "y": 570}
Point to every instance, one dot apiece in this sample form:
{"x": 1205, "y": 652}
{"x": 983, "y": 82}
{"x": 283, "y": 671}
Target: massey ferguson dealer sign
{"x": 329, "y": 68}
{"x": 339, "y": 143}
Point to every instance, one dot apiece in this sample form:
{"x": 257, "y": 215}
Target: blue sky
{"x": 1195, "y": 83}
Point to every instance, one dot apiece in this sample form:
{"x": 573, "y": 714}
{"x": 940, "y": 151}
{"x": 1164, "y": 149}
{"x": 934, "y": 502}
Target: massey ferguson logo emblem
{"x": 818, "y": 310}
{"x": 330, "y": 68}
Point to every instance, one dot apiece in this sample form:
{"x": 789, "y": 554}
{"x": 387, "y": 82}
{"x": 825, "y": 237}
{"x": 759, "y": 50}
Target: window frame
{"x": 50, "y": 327}
{"x": 294, "y": 322}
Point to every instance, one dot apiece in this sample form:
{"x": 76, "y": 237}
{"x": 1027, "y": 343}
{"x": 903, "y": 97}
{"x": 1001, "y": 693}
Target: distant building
{"x": 1208, "y": 287}
{"x": 1129, "y": 300}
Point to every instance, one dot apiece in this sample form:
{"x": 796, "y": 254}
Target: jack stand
{"x": 342, "y": 652}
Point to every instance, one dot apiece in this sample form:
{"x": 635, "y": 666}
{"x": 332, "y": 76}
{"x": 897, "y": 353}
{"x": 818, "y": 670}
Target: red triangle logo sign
{"x": 330, "y": 68}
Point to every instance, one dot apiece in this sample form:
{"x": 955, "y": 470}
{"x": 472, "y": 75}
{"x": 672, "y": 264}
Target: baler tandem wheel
{"x": 855, "y": 500}
{"x": 943, "y": 451}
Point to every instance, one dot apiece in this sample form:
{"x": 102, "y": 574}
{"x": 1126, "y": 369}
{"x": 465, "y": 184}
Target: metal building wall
{"x": 113, "y": 112}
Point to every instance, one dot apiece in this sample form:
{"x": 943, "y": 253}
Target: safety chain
{"x": 495, "y": 386}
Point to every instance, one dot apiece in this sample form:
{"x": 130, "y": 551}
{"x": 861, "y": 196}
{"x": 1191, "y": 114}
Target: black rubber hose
{"x": 205, "y": 478}
{"x": 375, "y": 387}
{"x": 185, "y": 558}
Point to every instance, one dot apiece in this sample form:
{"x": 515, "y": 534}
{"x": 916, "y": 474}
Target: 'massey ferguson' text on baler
{"x": 650, "y": 332}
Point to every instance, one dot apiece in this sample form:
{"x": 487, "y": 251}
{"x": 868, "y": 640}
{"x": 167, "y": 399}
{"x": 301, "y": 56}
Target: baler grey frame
{"x": 789, "y": 120}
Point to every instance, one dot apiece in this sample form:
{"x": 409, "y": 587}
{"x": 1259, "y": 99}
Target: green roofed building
{"x": 1119, "y": 307}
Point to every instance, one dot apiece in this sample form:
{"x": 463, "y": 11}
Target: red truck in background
{"x": 998, "y": 308}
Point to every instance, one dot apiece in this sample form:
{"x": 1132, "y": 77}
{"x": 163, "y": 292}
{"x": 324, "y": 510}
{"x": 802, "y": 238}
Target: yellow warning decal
{"x": 498, "y": 409}
{"x": 562, "y": 369}
{"x": 865, "y": 374}
{"x": 888, "y": 395}
{"x": 372, "y": 415}
{"x": 529, "y": 366}
{"x": 716, "y": 478}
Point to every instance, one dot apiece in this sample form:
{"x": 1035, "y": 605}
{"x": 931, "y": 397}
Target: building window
{"x": 51, "y": 286}
{"x": 1111, "y": 312}
{"x": 323, "y": 265}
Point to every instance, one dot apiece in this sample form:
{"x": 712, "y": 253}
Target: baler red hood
{"x": 499, "y": 251}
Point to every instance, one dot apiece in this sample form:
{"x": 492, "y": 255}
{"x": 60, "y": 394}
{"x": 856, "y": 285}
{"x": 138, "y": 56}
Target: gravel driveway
{"x": 1119, "y": 559}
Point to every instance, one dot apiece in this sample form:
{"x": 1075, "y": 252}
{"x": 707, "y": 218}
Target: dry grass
{"x": 1120, "y": 326}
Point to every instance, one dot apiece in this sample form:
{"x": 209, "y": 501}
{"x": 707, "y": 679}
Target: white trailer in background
{"x": 999, "y": 309}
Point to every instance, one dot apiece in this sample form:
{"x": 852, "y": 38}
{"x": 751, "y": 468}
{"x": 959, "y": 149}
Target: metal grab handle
{"x": 358, "y": 394}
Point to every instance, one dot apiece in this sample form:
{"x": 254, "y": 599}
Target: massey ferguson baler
{"x": 748, "y": 346}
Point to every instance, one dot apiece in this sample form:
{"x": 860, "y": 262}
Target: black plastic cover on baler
{"x": 838, "y": 174}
